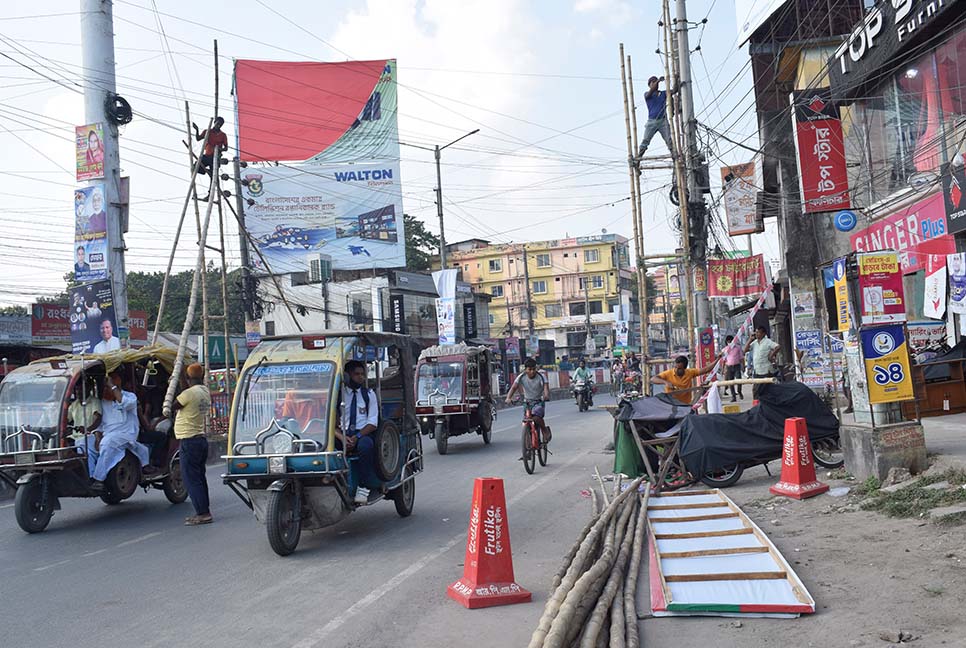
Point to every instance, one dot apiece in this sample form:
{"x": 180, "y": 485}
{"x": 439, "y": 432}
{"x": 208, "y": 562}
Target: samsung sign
{"x": 888, "y": 29}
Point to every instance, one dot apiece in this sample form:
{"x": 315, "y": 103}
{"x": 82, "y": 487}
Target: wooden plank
{"x": 688, "y": 493}
{"x": 676, "y": 507}
{"x": 657, "y": 559}
{"x": 698, "y": 578}
{"x": 696, "y": 518}
{"x": 703, "y": 534}
{"x": 714, "y": 552}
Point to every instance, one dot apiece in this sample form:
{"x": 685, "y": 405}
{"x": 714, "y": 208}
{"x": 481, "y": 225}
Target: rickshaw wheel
{"x": 32, "y": 516}
{"x": 283, "y": 523}
{"x": 173, "y": 486}
{"x": 387, "y": 450}
{"x": 122, "y": 480}
{"x": 405, "y": 496}
{"x": 486, "y": 422}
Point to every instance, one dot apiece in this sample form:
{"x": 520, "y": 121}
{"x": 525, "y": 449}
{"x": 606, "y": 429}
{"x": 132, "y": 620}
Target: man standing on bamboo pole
{"x": 216, "y": 139}
{"x": 656, "y": 101}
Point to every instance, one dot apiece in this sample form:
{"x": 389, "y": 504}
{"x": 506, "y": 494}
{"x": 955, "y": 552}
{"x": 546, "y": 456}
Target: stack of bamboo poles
{"x": 592, "y": 600}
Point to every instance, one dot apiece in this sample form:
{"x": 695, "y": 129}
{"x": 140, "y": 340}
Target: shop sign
{"x": 954, "y": 195}
{"x": 881, "y": 296}
{"x": 823, "y": 177}
{"x": 887, "y": 364}
{"x": 923, "y": 335}
{"x": 743, "y": 277}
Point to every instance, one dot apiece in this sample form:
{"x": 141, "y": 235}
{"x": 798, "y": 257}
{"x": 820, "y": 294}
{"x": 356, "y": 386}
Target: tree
{"x": 421, "y": 244}
{"x": 15, "y": 310}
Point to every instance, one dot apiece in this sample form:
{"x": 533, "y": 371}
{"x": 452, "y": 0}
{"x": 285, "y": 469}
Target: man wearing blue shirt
{"x": 358, "y": 422}
{"x": 656, "y": 101}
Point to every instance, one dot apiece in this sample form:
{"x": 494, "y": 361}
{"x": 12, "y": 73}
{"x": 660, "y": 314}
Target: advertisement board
{"x": 446, "y": 319}
{"x": 469, "y": 321}
{"x": 823, "y": 177}
{"x": 840, "y": 294}
{"x": 881, "y": 296}
{"x": 93, "y": 325}
{"x": 812, "y": 360}
{"x": 887, "y": 364}
{"x": 742, "y": 277}
{"x": 934, "y": 289}
{"x": 89, "y": 151}
{"x": 397, "y": 313}
{"x": 738, "y": 192}
{"x": 138, "y": 323}
{"x": 50, "y": 324}
{"x": 954, "y": 194}
{"x": 15, "y": 329}
{"x": 90, "y": 233}
{"x": 924, "y": 335}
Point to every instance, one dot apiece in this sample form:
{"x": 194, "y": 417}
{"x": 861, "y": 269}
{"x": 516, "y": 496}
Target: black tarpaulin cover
{"x": 711, "y": 442}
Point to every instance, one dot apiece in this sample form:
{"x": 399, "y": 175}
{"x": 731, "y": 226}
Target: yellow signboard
{"x": 887, "y": 364}
{"x": 841, "y": 296}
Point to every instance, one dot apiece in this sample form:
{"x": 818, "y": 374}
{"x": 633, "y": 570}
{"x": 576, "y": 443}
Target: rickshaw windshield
{"x": 442, "y": 377}
{"x": 33, "y": 401}
{"x": 296, "y": 395}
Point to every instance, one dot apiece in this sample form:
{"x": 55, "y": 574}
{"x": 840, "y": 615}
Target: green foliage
{"x": 14, "y": 310}
{"x": 916, "y": 500}
{"x": 421, "y": 244}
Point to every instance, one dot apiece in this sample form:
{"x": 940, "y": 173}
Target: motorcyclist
{"x": 584, "y": 375}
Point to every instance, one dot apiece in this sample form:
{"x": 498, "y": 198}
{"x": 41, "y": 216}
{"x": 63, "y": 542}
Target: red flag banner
{"x": 741, "y": 277}
{"x": 821, "y": 152}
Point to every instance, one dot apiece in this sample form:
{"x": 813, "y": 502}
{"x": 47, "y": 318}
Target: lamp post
{"x": 439, "y": 198}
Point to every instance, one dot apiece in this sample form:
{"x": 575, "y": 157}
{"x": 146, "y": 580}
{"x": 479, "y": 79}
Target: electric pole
{"x": 694, "y": 165}
{"x": 588, "y": 339}
{"x": 439, "y": 196}
{"x": 529, "y": 297}
{"x": 97, "y": 44}
{"x": 247, "y": 292}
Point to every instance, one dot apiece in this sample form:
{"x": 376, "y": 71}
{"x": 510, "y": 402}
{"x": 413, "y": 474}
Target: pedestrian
{"x": 764, "y": 352}
{"x": 733, "y": 358}
{"x": 656, "y": 101}
{"x": 192, "y": 406}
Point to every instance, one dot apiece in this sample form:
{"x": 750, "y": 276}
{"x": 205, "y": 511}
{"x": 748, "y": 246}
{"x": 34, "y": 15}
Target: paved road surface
{"x": 100, "y": 575}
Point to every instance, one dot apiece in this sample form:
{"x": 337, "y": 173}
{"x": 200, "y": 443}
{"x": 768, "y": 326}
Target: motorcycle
{"x": 583, "y": 395}
{"x": 827, "y": 453}
{"x": 632, "y": 384}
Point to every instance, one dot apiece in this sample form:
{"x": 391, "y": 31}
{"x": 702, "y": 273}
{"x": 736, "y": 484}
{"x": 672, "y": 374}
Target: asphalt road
{"x": 101, "y": 576}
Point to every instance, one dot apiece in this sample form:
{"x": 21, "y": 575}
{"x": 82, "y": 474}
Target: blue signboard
{"x": 845, "y": 221}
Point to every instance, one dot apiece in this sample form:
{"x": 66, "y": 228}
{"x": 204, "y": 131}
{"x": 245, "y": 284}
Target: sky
{"x": 539, "y": 79}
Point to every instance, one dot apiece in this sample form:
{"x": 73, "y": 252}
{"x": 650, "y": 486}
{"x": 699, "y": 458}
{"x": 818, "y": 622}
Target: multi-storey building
{"x": 575, "y": 284}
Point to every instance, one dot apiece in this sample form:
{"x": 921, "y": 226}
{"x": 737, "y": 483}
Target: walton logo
{"x": 363, "y": 176}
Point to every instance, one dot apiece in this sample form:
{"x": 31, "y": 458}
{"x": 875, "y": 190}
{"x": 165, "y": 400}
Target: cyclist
{"x": 535, "y": 391}
{"x": 583, "y": 374}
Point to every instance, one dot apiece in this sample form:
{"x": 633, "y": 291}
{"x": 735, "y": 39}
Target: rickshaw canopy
{"x": 114, "y": 359}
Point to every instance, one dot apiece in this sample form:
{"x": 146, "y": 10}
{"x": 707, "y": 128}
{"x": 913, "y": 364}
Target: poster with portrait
{"x": 93, "y": 325}
{"x": 446, "y": 319}
{"x": 881, "y": 297}
{"x": 803, "y": 304}
{"x": 90, "y": 233}
{"x": 89, "y": 141}
{"x": 956, "y": 265}
{"x": 934, "y": 294}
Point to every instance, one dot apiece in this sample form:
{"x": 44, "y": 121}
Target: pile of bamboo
{"x": 592, "y": 600}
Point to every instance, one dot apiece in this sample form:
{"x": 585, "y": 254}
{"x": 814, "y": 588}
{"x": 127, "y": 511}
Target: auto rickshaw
{"x": 44, "y": 458}
{"x": 454, "y": 392}
{"x": 286, "y": 463}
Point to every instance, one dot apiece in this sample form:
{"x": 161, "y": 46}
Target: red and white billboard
{"x": 741, "y": 277}
{"x": 50, "y": 325}
{"x": 137, "y": 321}
{"x": 823, "y": 177}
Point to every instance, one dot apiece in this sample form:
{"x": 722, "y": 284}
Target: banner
{"x": 923, "y": 335}
{"x": 445, "y": 282}
{"x": 92, "y": 321}
{"x": 138, "y": 323}
{"x": 743, "y": 277}
{"x": 803, "y": 304}
{"x": 956, "y": 263}
{"x": 446, "y": 319}
{"x": 469, "y": 321}
{"x": 352, "y": 213}
{"x": 954, "y": 193}
{"x": 738, "y": 192}
{"x": 823, "y": 177}
{"x": 90, "y": 234}
{"x": 705, "y": 347}
{"x": 253, "y": 335}
{"x": 673, "y": 280}
{"x": 837, "y": 291}
{"x": 15, "y": 329}
{"x": 887, "y": 364}
{"x": 915, "y": 232}
{"x": 620, "y": 333}
{"x": 934, "y": 293}
{"x": 812, "y": 360}
{"x": 89, "y": 151}
{"x": 880, "y": 288}
{"x": 50, "y": 325}
{"x": 397, "y": 313}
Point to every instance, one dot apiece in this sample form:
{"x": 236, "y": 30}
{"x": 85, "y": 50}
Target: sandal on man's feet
{"x": 196, "y": 520}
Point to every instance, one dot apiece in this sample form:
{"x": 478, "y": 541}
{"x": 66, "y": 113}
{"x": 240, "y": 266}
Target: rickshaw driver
{"x": 535, "y": 390}
{"x": 358, "y": 420}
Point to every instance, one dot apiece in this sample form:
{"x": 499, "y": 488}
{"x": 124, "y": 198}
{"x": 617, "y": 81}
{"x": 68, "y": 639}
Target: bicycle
{"x": 534, "y": 447}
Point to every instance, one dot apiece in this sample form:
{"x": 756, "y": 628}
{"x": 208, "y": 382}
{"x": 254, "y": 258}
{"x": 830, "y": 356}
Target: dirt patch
{"x": 917, "y": 500}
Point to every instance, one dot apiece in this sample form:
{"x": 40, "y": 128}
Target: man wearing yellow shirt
{"x": 192, "y": 406}
{"x": 679, "y": 381}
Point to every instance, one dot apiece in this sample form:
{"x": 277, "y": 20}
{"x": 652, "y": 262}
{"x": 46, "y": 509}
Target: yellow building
{"x": 573, "y": 282}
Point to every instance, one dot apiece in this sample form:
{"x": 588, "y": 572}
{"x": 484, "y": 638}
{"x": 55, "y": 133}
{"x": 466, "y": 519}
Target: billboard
{"x": 887, "y": 364}
{"x": 351, "y": 212}
{"x": 89, "y": 145}
{"x": 90, "y": 233}
{"x": 881, "y": 296}
{"x": 742, "y": 277}
{"x": 93, "y": 326}
{"x": 738, "y": 192}
{"x": 823, "y": 177}
{"x": 50, "y": 324}
{"x": 15, "y": 329}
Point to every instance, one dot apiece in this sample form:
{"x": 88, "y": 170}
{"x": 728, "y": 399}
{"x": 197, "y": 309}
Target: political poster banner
{"x": 89, "y": 145}
{"x": 351, "y": 212}
{"x": 90, "y": 233}
{"x": 621, "y": 332}
{"x": 446, "y": 319}
{"x": 253, "y": 334}
{"x": 93, "y": 325}
{"x": 738, "y": 193}
{"x": 956, "y": 265}
{"x": 50, "y": 324}
{"x": 881, "y": 297}
{"x": 705, "y": 349}
{"x": 673, "y": 282}
{"x": 741, "y": 277}
{"x": 803, "y": 304}
{"x": 823, "y": 177}
{"x": 887, "y": 364}
{"x": 934, "y": 293}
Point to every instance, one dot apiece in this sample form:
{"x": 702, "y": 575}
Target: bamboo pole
{"x": 639, "y": 228}
{"x": 224, "y": 261}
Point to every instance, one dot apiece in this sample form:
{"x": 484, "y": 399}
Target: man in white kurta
{"x": 119, "y": 428}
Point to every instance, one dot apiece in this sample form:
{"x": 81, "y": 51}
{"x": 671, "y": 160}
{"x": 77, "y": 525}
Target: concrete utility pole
{"x": 698, "y": 229}
{"x": 247, "y": 296}
{"x": 587, "y": 311}
{"x": 526, "y": 280}
{"x": 97, "y": 44}
{"x": 439, "y": 197}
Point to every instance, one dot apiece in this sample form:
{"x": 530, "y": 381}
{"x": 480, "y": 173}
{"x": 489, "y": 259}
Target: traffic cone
{"x": 798, "y": 472}
{"x": 488, "y": 568}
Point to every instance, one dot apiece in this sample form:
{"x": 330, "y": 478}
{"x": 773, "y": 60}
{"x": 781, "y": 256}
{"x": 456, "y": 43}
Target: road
{"x": 101, "y": 573}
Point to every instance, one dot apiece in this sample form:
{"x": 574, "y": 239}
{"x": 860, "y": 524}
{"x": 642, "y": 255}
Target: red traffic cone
{"x": 488, "y": 568}
{"x": 798, "y": 472}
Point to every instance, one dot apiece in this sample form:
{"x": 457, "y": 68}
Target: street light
{"x": 439, "y": 198}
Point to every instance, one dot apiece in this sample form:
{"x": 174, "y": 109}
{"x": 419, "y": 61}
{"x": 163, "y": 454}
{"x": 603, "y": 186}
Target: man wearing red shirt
{"x": 215, "y": 138}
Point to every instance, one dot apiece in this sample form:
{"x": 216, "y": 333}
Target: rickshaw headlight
{"x": 276, "y": 465}
{"x": 282, "y": 444}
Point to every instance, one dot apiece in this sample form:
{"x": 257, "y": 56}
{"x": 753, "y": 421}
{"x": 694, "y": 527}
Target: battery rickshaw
{"x": 286, "y": 462}
{"x": 454, "y": 392}
{"x": 45, "y": 459}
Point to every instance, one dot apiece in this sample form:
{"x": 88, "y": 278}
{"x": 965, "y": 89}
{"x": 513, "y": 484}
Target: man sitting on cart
{"x": 535, "y": 391}
{"x": 358, "y": 421}
{"x": 118, "y": 433}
